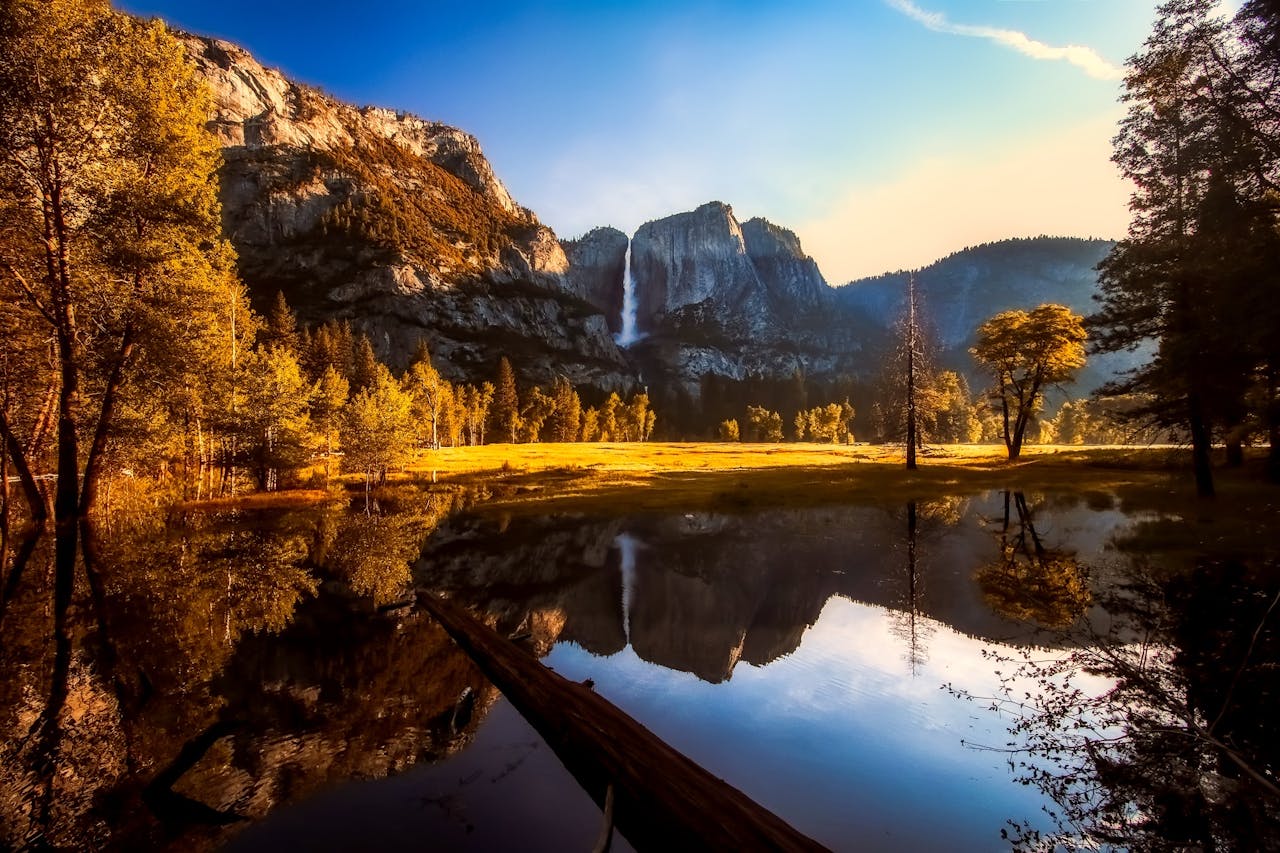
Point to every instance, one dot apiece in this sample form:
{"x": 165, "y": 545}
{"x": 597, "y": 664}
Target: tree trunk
{"x": 911, "y": 373}
{"x": 1019, "y": 431}
{"x": 662, "y": 800}
{"x": 4, "y": 508}
{"x": 1235, "y": 451}
{"x": 1008, "y": 437}
{"x": 1201, "y": 445}
{"x": 1273, "y": 426}
{"x": 30, "y": 489}
{"x": 97, "y": 450}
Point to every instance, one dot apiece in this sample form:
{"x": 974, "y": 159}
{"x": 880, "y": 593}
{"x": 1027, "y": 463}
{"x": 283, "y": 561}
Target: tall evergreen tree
{"x": 567, "y": 415}
{"x": 364, "y": 364}
{"x": 1194, "y": 144}
{"x": 281, "y": 327}
{"x": 506, "y": 401}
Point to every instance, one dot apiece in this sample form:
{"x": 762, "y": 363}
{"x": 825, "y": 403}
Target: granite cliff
{"x": 396, "y": 223}
{"x": 401, "y": 226}
{"x": 734, "y": 300}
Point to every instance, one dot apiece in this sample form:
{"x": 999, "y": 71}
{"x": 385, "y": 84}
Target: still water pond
{"x": 943, "y": 675}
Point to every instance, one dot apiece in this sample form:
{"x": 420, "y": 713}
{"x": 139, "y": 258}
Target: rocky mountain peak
{"x": 256, "y": 107}
{"x": 396, "y": 223}
{"x": 690, "y": 258}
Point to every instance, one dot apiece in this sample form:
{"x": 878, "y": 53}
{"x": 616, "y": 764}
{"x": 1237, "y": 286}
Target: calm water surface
{"x": 843, "y": 666}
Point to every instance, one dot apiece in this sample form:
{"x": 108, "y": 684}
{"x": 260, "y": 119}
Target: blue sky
{"x": 887, "y": 133}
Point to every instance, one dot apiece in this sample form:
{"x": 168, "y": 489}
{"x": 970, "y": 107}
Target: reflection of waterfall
{"x": 627, "y": 546}
{"x": 629, "y": 334}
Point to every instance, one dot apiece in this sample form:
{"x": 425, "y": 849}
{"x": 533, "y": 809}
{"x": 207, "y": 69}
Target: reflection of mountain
{"x": 711, "y": 590}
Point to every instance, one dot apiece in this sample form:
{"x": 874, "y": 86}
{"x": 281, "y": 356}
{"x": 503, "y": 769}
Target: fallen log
{"x": 661, "y": 799}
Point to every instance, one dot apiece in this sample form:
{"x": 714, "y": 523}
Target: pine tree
{"x": 364, "y": 364}
{"x": 1194, "y": 271}
{"x": 281, "y": 328}
{"x": 506, "y": 401}
{"x": 329, "y": 395}
{"x": 567, "y": 415}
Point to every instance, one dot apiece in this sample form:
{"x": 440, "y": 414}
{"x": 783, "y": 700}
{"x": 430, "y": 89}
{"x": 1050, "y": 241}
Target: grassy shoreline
{"x": 654, "y": 477}
{"x": 658, "y": 476}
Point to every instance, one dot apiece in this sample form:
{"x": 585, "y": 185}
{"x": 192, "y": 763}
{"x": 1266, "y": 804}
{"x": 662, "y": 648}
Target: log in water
{"x": 662, "y": 800}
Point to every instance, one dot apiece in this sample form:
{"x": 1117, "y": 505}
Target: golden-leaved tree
{"x": 110, "y": 233}
{"x": 1026, "y": 352}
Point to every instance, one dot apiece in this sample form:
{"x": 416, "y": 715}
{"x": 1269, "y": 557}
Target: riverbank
{"x": 617, "y": 479}
{"x": 655, "y": 476}
{"x": 624, "y": 478}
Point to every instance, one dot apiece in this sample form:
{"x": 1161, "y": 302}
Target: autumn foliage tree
{"x": 110, "y": 229}
{"x": 377, "y": 431}
{"x": 1026, "y": 352}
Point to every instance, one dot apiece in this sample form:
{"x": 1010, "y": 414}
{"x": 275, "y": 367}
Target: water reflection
{"x": 207, "y": 670}
{"x": 1178, "y": 752}
{"x": 1029, "y": 581}
{"x": 201, "y": 670}
{"x": 704, "y": 592}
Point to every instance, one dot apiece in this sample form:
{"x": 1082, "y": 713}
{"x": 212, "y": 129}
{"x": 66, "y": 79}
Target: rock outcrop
{"x": 732, "y": 300}
{"x": 790, "y": 277}
{"x": 396, "y": 223}
{"x": 691, "y": 259}
{"x": 597, "y": 263}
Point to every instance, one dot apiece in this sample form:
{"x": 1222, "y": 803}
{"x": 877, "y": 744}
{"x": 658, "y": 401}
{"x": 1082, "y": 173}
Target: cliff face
{"x": 396, "y": 223}
{"x": 732, "y": 299}
{"x": 597, "y": 263}
{"x": 790, "y": 277}
{"x": 690, "y": 259}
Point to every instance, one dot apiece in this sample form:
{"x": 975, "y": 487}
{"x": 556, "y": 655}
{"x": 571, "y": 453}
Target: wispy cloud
{"x": 1085, "y": 58}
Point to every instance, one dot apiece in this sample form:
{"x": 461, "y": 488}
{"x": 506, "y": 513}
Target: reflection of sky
{"x": 838, "y": 738}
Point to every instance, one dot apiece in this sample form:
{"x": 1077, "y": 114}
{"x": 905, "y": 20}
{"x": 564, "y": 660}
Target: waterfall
{"x": 626, "y": 545}
{"x": 629, "y": 335}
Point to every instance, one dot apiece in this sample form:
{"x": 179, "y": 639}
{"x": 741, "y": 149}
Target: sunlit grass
{"x": 605, "y": 478}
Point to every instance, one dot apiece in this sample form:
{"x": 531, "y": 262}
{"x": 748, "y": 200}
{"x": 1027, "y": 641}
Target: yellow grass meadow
{"x": 661, "y": 476}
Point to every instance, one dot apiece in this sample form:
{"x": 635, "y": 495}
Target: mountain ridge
{"x": 400, "y": 225}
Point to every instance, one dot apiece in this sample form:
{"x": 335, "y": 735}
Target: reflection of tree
{"x": 374, "y": 553}
{"x": 1178, "y": 753}
{"x": 1029, "y": 582}
{"x": 194, "y": 676}
{"x": 907, "y": 621}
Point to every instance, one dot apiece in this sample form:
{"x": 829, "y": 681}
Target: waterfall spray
{"x": 629, "y": 335}
{"x": 627, "y": 546}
